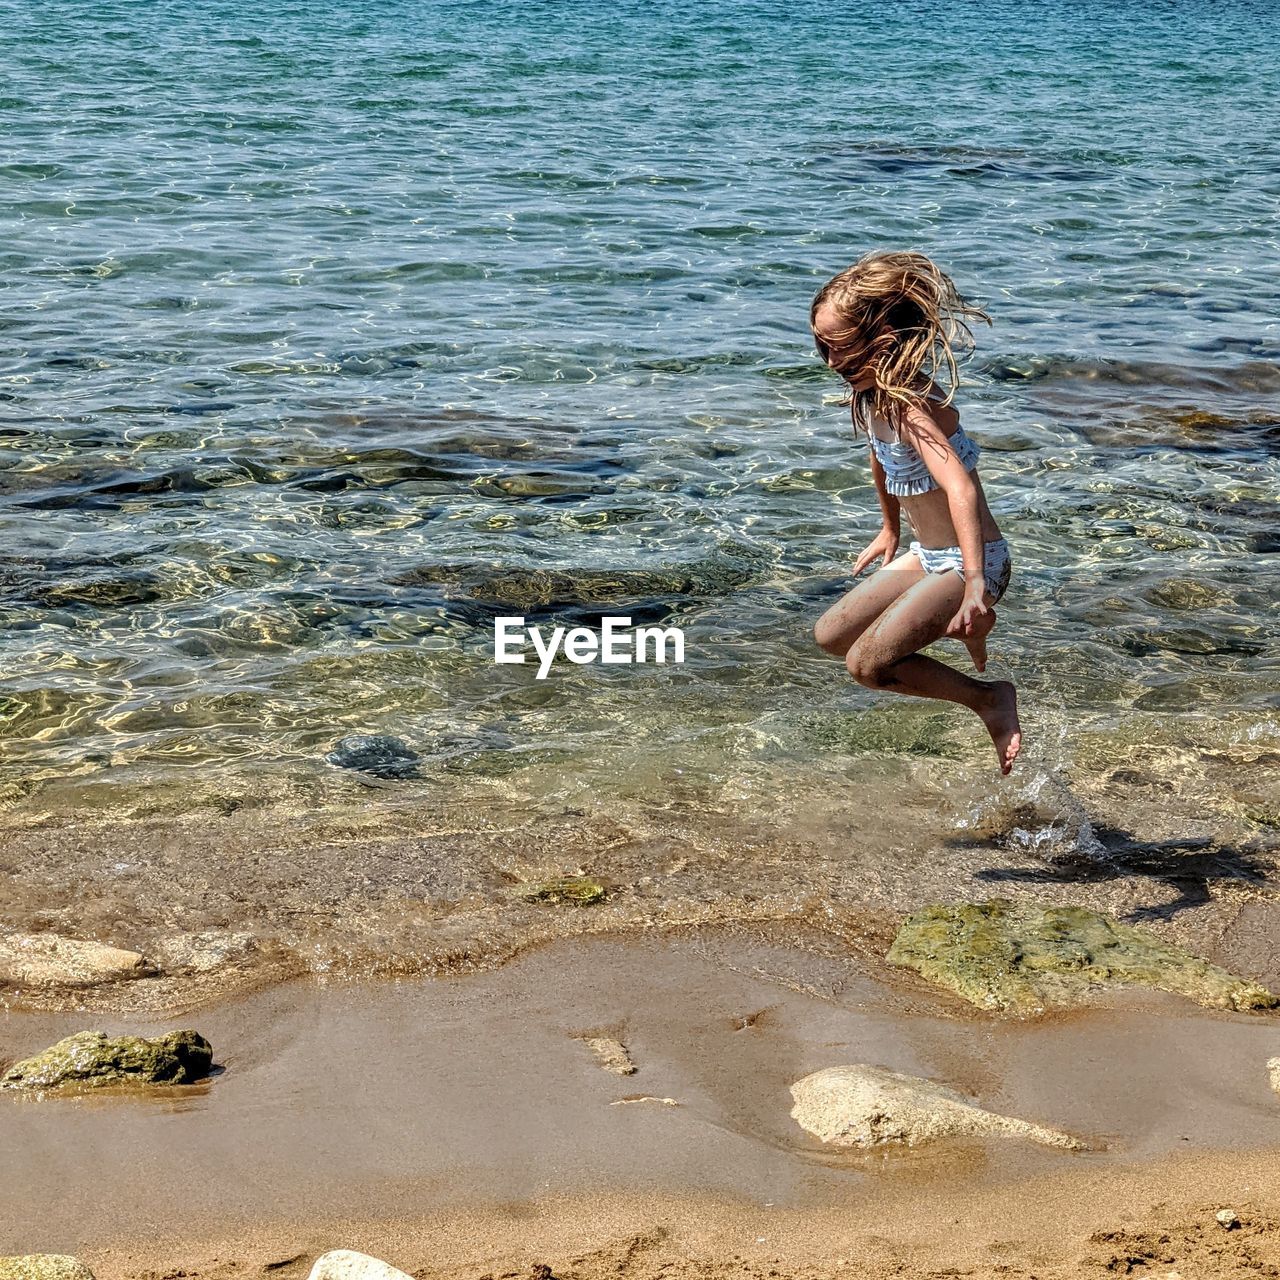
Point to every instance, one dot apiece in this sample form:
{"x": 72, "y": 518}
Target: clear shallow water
{"x": 330, "y": 335}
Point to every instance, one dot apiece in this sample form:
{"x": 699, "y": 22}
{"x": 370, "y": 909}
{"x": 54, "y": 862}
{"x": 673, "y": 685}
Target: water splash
{"x": 1042, "y": 815}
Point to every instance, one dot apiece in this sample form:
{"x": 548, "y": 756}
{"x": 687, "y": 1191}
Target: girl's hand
{"x": 884, "y": 544}
{"x": 971, "y": 607}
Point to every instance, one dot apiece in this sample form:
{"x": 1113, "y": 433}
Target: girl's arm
{"x": 889, "y": 504}
{"x": 884, "y": 546}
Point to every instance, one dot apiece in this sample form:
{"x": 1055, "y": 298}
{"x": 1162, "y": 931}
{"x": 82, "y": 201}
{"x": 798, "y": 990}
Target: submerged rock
{"x": 862, "y": 1106}
{"x": 50, "y": 960}
{"x": 92, "y": 1058}
{"x": 527, "y": 590}
{"x": 1004, "y": 955}
{"x": 582, "y": 891}
{"x": 378, "y": 754}
{"x": 347, "y": 1264}
{"x": 44, "y": 1266}
{"x": 202, "y": 952}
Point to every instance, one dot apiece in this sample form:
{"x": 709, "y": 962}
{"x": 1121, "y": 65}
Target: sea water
{"x": 331, "y": 333}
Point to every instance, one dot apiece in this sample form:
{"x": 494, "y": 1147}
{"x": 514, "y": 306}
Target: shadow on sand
{"x": 1186, "y": 866}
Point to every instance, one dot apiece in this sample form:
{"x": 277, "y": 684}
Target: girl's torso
{"x": 908, "y": 479}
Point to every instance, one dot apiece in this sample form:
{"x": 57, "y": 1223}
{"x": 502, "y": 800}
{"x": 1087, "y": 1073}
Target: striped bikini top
{"x": 905, "y": 474}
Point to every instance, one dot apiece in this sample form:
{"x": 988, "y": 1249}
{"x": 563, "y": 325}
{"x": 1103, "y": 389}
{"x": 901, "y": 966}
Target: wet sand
{"x": 460, "y": 1125}
{"x": 333, "y": 878}
{"x": 403, "y": 1068}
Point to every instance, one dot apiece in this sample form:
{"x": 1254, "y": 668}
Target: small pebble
{"x": 378, "y": 754}
{"x": 1228, "y": 1218}
{"x": 611, "y": 1054}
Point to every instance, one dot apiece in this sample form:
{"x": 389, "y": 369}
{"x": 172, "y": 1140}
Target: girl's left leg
{"x": 886, "y": 656}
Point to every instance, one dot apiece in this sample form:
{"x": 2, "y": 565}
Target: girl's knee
{"x": 864, "y": 666}
{"x": 831, "y": 637}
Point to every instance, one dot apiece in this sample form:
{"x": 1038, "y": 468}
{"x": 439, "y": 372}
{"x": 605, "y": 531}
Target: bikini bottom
{"x": 996, "y": 563}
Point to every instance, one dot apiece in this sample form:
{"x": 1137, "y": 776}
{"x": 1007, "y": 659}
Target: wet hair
{"x": 926, "y": 324}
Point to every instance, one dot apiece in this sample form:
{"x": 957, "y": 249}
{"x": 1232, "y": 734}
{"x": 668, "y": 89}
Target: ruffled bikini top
{"x": 905, "y": 474}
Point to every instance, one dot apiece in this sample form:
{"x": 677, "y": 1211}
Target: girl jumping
{"x": 888, "y": 325}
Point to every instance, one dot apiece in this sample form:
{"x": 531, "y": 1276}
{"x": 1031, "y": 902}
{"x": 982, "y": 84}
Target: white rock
{"x": 862, "y": 1106}
{"x": 346, "y": 1264}
{"x": 1228, "y": 1218}
{"x": 1273, "y": 1070}
{"x": 50, "y": 960}
{"x": 611, "y": 1054}
{"x": 44, "y": 1266}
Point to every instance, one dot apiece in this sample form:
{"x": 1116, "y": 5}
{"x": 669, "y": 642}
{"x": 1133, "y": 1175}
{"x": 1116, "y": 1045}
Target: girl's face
{"x": 841, "y": 353}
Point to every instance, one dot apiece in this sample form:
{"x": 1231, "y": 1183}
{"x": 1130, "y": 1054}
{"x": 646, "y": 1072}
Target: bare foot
{"x": 1001, "y": 719}
{"x": 976, "y": 640}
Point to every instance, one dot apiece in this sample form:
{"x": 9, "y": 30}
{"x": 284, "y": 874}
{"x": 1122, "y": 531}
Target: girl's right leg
{"x": 842, "y": 624}
{"x": 838, "y": 628}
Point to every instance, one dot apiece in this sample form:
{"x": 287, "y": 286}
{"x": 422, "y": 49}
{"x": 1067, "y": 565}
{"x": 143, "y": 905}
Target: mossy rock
{"x": 1263, "y": 817}
{"x": 90, "y": 1059}
{"x": 582, "y": 891}
{"x": 44, "y": 1266}
{"x": 1021, "y": 957}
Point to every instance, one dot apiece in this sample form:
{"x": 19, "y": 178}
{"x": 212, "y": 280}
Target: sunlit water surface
{"x": 331, "y": 334}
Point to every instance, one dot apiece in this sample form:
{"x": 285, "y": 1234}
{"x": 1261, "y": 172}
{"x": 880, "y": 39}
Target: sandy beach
{"x": 461, "y": 1126}
{"x": 402, "y": 1062}
{"x": 1150, "y": 1220}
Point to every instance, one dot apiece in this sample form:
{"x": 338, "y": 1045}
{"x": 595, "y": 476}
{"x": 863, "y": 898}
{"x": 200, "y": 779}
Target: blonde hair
{"x": 907, "y": 319}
